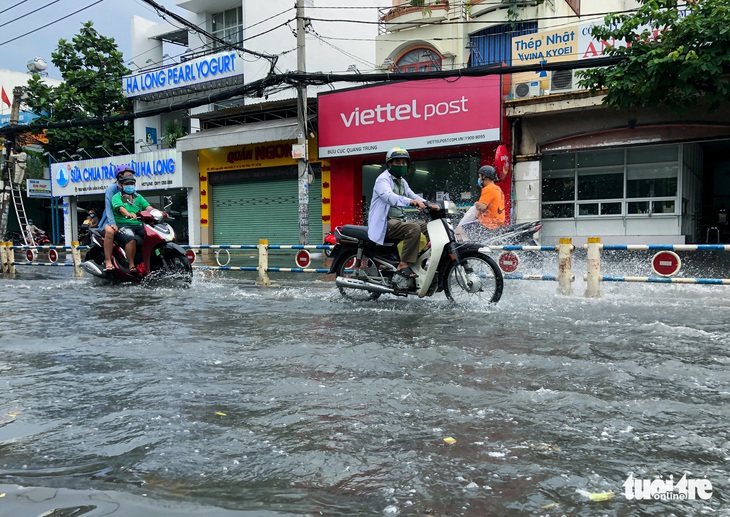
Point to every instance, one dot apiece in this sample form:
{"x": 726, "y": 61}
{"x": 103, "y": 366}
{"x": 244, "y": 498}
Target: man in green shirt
{"x": 127, "y": 204}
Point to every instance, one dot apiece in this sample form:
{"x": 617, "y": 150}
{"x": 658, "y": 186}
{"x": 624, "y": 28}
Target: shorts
{"x": 126, "y": 233}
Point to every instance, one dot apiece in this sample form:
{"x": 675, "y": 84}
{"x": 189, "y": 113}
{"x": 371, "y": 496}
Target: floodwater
{"x": 230, "y": 399}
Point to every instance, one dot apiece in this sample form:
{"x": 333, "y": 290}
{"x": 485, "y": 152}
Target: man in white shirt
{"x": 386, "y": 217}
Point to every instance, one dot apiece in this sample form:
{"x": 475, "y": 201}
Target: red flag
{"x": 5, "y": 97}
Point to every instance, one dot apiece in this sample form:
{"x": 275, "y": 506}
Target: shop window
{"x": 643, "y": 180}
{"x": 432, "y": 178}
{"x": 228, "y": 26}
{"x": 652, "y": 181}
{"x": 419, "y": 60}
{"x": 600, "y": 184}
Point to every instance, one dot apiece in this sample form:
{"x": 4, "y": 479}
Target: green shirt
{"x": 133, "y": 203}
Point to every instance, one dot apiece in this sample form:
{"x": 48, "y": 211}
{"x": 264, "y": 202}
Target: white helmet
{"x": 397, "y": 152}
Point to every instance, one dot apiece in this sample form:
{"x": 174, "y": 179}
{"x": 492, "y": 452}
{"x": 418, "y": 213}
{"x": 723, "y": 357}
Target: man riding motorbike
{"x": 386, "y": 217}
{"x": 108, "y": 222}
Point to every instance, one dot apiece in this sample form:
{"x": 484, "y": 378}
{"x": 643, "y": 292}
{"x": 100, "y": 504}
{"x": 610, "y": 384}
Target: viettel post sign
{"x": 411, "y": 114}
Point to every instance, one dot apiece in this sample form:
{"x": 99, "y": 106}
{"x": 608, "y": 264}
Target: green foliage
{"x": 675, "y": 62}
{"x": 171, "y": 132}
{"x": 92, "y": 68}
{"x": 513, "y": 8}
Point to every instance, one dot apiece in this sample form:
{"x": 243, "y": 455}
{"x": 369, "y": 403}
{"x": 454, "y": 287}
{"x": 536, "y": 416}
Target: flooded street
{"x": 229, "y": 399}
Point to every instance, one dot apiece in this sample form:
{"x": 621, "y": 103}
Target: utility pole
{"x": 9, "y": 148}
{"x": 303, "y": 165}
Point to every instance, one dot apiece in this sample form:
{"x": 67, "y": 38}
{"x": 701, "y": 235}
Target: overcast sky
{"x": 111, "y": 18}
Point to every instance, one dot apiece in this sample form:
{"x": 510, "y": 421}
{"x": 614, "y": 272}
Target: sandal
{"x": 109, "y": 268}
{"x": 133, "y": 270}
{"x": 406, "y": 272}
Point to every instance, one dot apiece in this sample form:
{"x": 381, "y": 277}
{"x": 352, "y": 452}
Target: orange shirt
{"x": 493, "y": 216}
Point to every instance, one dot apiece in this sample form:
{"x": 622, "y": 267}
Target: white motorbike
{"x": 463, "y": 270}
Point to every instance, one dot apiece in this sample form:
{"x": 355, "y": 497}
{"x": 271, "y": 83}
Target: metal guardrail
{"x": 565, "y": 278}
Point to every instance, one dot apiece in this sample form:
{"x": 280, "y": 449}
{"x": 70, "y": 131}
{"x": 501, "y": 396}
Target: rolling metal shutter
{"x": 243, "y": 213}
{"x": 494, "y": 45}
{"x": 249, "y": 210}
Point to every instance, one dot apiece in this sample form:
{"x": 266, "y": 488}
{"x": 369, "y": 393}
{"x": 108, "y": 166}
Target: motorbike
{"x": 522, "y": 234}
{"x": 462, "y": 270}
{"x": 159, "y": 256}
{"x": 40, "y": 238}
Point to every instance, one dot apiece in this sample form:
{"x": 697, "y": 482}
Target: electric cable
{"x": 271, "y": 81}
{"x": 15, "y": 5}
{"x": 29, "y": 13}
{"x": 50, "y": 23}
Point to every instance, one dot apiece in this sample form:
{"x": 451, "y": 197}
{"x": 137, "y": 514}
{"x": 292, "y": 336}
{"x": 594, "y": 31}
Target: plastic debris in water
{"x": 596, "y": 496}
{"x": 450, "y": 440}
{"x": 220, "y": 413}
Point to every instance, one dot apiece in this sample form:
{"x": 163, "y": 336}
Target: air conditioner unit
{"x": 563, "y": 81}
{"x": 525, "y": 90}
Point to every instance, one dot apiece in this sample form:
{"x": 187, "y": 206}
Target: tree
{"x": 677, "y": 55}
{"x": 92, "y": 68}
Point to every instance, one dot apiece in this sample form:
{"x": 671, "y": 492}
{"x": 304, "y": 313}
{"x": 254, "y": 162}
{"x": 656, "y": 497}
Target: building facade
{"x": 627, "y": 176}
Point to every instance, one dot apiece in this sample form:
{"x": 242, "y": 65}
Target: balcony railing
{"x": 412, "y": 14}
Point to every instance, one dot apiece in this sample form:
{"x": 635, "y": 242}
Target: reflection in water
{"x": 290, "y": 401}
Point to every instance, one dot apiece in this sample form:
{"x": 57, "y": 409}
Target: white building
{"x": 168, "y": 61}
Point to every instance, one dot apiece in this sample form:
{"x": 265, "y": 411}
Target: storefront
{"x": 250, "y": 192}
{"x": 161, "y": 179}
{"x": 648, "y": 176}
{"x": 450, "y": 127}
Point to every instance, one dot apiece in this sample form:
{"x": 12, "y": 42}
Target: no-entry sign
{"x": 30, "y": 255}
{"x": 508, "y": 262}
{"x": 666, "y": 263}
{"x": 52, "y": 255}
{"x": 303, "y": 258}
{"x": 190, "y": 255}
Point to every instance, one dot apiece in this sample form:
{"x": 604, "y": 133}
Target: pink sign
{"x": 411, "y": 114}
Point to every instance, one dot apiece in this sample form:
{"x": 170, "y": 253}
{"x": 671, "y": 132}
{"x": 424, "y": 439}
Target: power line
{"x": 50, "y": 23}
{"x": 29, "y": 13}
{"x": 272, "y": 59}
{"x": 16, "y": 5}
{"x": 296, "y": 78}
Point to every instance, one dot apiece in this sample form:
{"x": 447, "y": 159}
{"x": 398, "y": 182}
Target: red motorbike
{"x": 159, "y": 257}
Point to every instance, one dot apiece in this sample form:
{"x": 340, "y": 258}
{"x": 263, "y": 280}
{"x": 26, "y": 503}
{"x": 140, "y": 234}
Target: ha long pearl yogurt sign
{"x": 196, "y": 71}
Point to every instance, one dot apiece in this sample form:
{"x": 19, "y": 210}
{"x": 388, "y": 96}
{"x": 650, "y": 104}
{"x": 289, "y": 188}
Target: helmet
{"x": 488, "y": 172}
{"x": 121, "y": 169}
{"x": 128, "y": 180}
{"x": 397, "y": 152}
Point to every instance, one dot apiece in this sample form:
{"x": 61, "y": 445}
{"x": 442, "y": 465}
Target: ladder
{"x": 15, "y": 170}
{"x": 21, "y": 215}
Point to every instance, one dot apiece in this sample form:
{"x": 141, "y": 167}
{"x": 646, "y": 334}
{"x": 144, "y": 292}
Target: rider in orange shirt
{"x": 491, "y": 202}
{"x": 489, "y": 210}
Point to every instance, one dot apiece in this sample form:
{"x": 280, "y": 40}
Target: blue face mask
{"x": 479, "y": 182}
{"x": 128, "y": 189}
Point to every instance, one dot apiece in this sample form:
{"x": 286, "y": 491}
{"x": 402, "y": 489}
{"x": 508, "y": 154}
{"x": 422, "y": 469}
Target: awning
{"x": 229, "y": 136}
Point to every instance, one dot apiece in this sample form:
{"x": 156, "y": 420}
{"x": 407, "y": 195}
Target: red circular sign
{"x": 30, "y": 255}
{"x": 666, "y": 263}
{"x": 508, "y": 262}
{"x": 502, "y": 161}
{"x": 190, "y": 255}
{"x": 303, "y": 258}
{"x": 52, "y": 255}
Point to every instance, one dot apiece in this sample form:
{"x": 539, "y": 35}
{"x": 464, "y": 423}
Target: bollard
{"x": 263, "y": 247}
{"x": 565, "y": 266}
{"x": 593, "y": 260}
{"x": 76, "y": 257}
{"x": 3, "y": 257}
